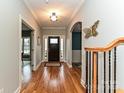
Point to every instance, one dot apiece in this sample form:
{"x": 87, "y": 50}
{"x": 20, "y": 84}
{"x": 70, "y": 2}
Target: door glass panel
{"x": 46, "y": 44}
{"x": 62, "y": 44}
{"x": 62, "y": 48}
{"x": 53, "y": 41}
{"x": 27, "y": 46}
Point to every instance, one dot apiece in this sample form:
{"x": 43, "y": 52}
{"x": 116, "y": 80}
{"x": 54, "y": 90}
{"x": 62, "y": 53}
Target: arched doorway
{"x": 76, "y": 45}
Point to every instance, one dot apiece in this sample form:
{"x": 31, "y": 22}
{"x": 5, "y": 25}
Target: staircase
{"x": 101, "y": 68}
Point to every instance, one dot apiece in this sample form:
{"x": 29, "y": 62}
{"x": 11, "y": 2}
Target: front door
{"x": 53, "y": 54}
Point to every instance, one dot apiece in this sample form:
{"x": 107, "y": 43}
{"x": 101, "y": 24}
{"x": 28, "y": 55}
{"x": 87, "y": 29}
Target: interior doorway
{"x": 27, "y": 38}
{"x": 77, "y": 45}
{"x": 26, "y": 47}
{"x": 53, "y": 49}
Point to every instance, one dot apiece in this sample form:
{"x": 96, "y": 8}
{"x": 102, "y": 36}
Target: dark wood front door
{"x": 53, "y": 48}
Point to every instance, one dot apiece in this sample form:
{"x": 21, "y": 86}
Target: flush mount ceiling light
{"x": 46, "y": 1}
{"x": 53, "y": 17}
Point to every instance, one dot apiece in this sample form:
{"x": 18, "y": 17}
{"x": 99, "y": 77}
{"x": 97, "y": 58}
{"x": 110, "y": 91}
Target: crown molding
{"x": 76, "y": 11}
{"x": 32, "y": 12}
{"x": 54, "y": 28}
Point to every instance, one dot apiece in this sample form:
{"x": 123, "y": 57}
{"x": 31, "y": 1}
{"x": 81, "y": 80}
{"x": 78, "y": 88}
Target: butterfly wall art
{"x": 91, "y": 31}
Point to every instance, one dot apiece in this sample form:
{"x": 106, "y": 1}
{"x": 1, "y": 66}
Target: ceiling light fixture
{"x": 53, "y": 17}
{"x": 46, "y": 1}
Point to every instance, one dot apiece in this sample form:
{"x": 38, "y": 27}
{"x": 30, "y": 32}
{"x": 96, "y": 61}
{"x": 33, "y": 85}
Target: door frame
{"x": 70, "y": 49}
{"x": 59, "y": 42}
{"x": 31, "y": 43}
{"x": 23, "y": 20}
{"x": 69, "y": 54}
{"x": 45, "y": 53}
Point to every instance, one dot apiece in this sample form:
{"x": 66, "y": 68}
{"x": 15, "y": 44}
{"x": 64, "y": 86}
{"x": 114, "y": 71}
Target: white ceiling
{"x": 65, "y": 9}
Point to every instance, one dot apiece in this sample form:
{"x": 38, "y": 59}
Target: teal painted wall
{"x": 76, "y": 40}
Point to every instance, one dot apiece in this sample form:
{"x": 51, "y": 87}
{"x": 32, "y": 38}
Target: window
{"x": 45, "y": 44}
{"x": 54, "y": 41}
{"x": 62, "y": 45}
{"x": 62, "y": 48}
{"x": 27, "y": 46}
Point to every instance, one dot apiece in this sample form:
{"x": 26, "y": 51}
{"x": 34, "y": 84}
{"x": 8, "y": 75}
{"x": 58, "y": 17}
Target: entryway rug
{"x": 52, "y": 64}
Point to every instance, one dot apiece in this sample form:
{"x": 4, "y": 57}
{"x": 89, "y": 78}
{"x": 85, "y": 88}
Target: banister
{"x": 108, "y": 47}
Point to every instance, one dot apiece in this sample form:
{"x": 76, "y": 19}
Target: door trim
{"x": 59, "y": 42}
{"x": 45, "y": 52}
{"x": 25, "y": 21}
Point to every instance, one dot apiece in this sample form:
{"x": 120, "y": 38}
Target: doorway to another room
{"x": 26, "y": 47}
{"x": 27, "y": 53}
{"x": 76, "y": 45}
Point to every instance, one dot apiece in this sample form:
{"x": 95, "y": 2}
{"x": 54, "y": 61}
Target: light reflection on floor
{"x": 26, "y": 73}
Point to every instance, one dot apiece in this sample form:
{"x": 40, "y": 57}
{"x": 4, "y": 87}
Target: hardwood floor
{"x": 27, "y": 75}
{"x": 54, "y": 80}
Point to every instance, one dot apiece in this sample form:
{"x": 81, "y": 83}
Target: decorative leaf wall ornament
{"x": 91, "y": 31}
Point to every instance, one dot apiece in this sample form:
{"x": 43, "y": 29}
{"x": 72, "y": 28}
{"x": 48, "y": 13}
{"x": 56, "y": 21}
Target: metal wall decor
{"x": 38, "y": 41}
{"x": 91, "y": 31}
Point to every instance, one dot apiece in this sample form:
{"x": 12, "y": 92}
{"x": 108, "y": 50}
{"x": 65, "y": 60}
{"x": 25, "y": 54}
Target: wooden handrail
{"x": 108, "y": 47}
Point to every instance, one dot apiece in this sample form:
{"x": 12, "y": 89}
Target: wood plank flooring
{"x": 54, "y": 80}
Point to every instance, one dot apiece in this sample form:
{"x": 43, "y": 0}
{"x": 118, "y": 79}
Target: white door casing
{"x": 62, "y": 47}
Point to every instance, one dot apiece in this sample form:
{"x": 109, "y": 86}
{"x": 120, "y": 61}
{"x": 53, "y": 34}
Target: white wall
{"x": 76, "y": 56}
{"x": 111, "y": 16}
{"x": 37, "y": 49}
{"x": 53, "y": 32}
{"x": 10, "y": 37}
{"x": 120, "y": 66}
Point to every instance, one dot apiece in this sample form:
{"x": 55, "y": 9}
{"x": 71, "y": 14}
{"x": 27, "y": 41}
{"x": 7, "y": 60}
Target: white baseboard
{"x": 69, "y": 65}
{"x": 37, "y": 66}
{"x": 43, "y": 60}
{"x": 83, "y": 83}
{"x": 18, "y": 90}
{"x": 65, "y": 61}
